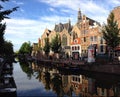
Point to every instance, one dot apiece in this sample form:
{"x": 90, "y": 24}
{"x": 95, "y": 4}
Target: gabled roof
{"x": 59, "y": 27}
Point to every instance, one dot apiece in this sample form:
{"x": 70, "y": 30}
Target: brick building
{"x": 116, "y": 12}
{"x": 87, "y": 30}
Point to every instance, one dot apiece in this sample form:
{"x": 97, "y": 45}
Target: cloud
{"x": 17, "y": 3}
{"x": 54, "y": 19}
{"x": 22, "y": 10}
{"x": 92, "y": 7}
{"x": 52, "y": 9}
{"x": 88, "y": 7}
{"x": 21, "y": 30}
{"x": 60, "y": 3}
{"x": 115, "y": 2}
{"x": 65, "y": 10}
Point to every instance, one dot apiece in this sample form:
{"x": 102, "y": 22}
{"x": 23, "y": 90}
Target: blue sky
{"x": 34, "y": 16}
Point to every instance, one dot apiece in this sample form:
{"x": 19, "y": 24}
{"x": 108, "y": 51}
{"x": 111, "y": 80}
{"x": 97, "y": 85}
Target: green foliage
{"x": 26, "y": 68}
{"x": 56, "y": 44}
{"x": 2, "y": 40}
{"x": 4, "y": 0}
{"x": 111, "y": 32}
{"x": 46, "y": 48}
{"x": 5, "y": 13}
{"x": 8, "y": 48}
{"x": 4, "y": 45}
{"x": 26, "y": 48}
{"x": 57, "y": 84}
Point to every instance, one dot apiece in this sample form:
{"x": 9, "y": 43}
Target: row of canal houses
{"x": 75, "y": 39}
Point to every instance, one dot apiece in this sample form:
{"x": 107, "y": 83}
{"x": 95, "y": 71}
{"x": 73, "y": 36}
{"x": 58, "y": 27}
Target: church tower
{"x": 79, "y": 16}
{"x": 69, "y": 26}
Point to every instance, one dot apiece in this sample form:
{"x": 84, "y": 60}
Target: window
{"x": 84, "y": 32}
{"x": 84, "y": 39}
{"x": 101, "y": 40}
{"x": 79, "y": 79}
{"x": 75, "y": 48}
{"x": 76, "y": 79}
{"x": 75, "y": 35}
{"x": 78, "y": 47}
{"x": 95, "y": 38}
{"x": 101, "y": 48}
{"x": 72, "y": 48}
{"x": 64, "y": 40}
{"x": 91, "y": 38}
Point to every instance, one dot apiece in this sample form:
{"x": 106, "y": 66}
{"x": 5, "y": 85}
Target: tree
{"x": 57, "y": 84}
{"x": 46, "y": 48}
{"x": 26, "y": 48}
{"x": 2, "y": 30}
{"x": 4, "y": 14}
{"x": 8, "y": 48}
{"x": 25, "y": 66}
{"x": 56, "y": 44}
{"x": 111, "y": 32}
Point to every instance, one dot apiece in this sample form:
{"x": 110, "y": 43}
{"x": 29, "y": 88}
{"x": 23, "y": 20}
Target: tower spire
{"x": 69, "y": 24}
{"x": 79, "y": 16}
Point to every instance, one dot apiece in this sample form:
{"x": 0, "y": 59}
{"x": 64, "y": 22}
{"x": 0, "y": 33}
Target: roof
{"x": 91, "y": 21}
{"x": 60, "y": 27}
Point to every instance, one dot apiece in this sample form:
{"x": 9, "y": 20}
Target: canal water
{"x": 38, "y": 80}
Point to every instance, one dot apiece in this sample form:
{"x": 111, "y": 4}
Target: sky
{"x": 34, "y": 16}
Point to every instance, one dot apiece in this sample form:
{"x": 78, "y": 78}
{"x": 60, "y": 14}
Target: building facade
{"x": 116, "y": 12}
{"x": 87, "y": 30}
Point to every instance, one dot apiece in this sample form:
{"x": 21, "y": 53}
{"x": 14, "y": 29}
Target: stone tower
{"x": 79, "y": 16}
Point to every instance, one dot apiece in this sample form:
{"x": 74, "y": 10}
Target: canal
{"x": 37, "y": 80}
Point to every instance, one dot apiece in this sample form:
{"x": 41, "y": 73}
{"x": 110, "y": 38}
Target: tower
{"x": 69, "y": 25}
{"x": 79, "y": 16}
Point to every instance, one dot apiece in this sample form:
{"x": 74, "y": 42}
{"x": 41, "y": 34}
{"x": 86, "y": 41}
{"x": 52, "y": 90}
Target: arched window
{"x": 101, "y": 40}
{"x": 75, "y": 48}
{"x": 64, "y": 40}
{"x": 78, "y": 48}
{"x": 75, "y": 35}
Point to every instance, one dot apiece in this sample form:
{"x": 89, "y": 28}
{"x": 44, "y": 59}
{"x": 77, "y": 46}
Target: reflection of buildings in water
{"x": 109, "y": 92}
{"x": 78, "y": 84}
{"x": 106, "y": 92}
{"x": 34, "y": 66}
{"x": 66, "y": 85}
{"x": 83, "y": 86}
{"x": 53, "y": 71}
{"x": 95, "y": 89}
{"x": 74, "y": 83}
{"x": 91, "y": 86}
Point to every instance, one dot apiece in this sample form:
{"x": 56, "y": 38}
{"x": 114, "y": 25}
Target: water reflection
{"x": 82, "y": 84}
{"x": 26, "y": 67}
